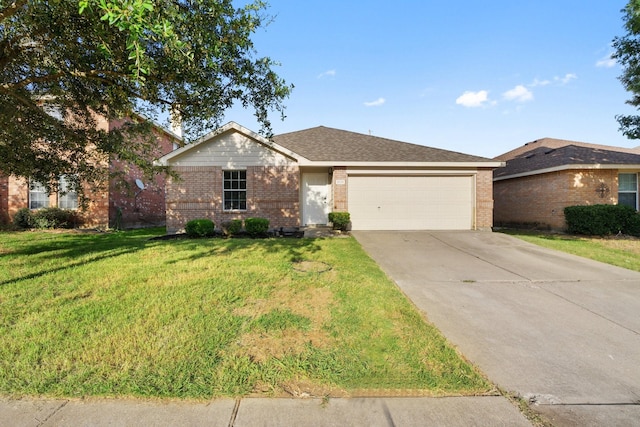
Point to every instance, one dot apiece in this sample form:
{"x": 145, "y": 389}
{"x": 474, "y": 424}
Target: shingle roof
{"x": 328, "y": 144}
{"x": 558, "y": 143}
{"x": 543, "y": 157}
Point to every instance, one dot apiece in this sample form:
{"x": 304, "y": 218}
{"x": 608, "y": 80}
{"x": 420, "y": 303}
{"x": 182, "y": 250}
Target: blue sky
{"x": 475, "y": 77}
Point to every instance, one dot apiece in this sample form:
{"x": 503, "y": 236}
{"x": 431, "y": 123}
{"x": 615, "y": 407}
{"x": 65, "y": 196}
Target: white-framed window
{"x": 38, "y": 196}
{"x": 234, "y": 183}
{"x": 67, "y": 194}
{"x": 628, "y": 189}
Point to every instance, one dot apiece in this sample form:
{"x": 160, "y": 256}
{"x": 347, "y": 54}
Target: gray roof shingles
{"x": 543, "y": 157}
{"x": 334, "y": 145}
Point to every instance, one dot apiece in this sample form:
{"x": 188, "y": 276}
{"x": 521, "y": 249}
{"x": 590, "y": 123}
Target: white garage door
{"x": 411, "y": 202}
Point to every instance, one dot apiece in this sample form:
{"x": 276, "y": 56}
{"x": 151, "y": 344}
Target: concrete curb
{"x": 449, "y": 411}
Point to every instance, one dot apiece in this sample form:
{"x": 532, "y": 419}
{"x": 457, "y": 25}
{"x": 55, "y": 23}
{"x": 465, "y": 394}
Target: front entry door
{"x": 315, "y": 209}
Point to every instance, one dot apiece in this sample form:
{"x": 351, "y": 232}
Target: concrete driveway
{"x": 561, "y": 331}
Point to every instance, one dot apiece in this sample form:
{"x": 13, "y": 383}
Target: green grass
{"x": 118, "y": 314}
{"x": 620, "y": 251}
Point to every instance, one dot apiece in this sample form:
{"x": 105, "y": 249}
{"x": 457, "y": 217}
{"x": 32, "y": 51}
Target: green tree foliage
{"x": 627, "y": 53}
{"x": 63, "y": 63}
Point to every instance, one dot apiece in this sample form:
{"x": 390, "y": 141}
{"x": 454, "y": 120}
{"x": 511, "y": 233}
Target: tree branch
{"x": 11, "y": 9}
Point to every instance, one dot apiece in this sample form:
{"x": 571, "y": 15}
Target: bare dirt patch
{"x": 314, "y": 304}
{"x": 311, "y": 266}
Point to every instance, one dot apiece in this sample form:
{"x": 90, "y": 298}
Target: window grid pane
{"x": 628, "y": 190}
{"x": 628, "y": 182}
{"x": 627, "y": 199}
{"x": 235, "y": 190}
{"x": 38, "y": 196}
{"x": 67, "y": 198}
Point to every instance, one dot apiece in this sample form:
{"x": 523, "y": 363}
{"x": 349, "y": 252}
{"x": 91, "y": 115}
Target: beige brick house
{"x": 544, "y": 176}
{"x": 296, "y": 179}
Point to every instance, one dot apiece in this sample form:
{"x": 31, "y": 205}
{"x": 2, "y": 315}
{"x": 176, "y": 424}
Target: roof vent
{"x": 550, "y": 151}
{"x": 529, "y": 156}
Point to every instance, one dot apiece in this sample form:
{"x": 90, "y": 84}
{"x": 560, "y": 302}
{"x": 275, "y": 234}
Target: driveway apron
{"x": 560, "y": 331}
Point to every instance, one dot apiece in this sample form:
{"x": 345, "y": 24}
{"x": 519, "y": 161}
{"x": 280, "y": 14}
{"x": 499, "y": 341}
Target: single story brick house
{"x": 544, "y": 176}
{"x": 122, "y": 204}
{"x": 297, "y": 178}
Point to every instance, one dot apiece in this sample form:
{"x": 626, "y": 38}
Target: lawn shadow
{"x": 295, "y": 248}
{"x": 88, "y": 247}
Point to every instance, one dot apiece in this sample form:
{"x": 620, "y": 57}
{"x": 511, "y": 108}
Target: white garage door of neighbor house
{"x": 411, "y": 202}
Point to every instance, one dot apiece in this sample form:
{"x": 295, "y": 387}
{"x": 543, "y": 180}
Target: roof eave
{"x": 567, "y": 167}
{"x": 336, "y": 163}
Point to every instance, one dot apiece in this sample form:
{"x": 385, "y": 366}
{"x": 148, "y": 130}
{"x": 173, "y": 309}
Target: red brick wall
{"x": 139, "y": 208}
{"x": 96, "y": 212}
{"x": 272, "y": 193}
{"x": 539, "y": 200}
{"x": 127, "y": 204}
{"x": 18, "y": 195}
{"x": 484, "y": 199}
{"x": 4, "y": 199}
{"x": 340, "y": 190}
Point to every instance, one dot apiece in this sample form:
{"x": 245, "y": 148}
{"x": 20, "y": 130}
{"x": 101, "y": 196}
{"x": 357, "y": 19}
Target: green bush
{"x": 54, "y": 218}
{"x": 602, "y": 220}
{"x": 23, "y": 218}
{"x": 340, "y": 220}
{"x": 232, "y": 227}
{"x": 200, "y": 228}
{"x": 256, "y": 226}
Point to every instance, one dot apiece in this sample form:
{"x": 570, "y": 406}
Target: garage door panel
{"x": 411, "y": 202}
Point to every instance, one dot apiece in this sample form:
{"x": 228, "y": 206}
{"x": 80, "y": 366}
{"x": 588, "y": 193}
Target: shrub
{"x": 256, "y": 226}
{"x": 200, "y": 228}
{"x": 23, "y": 218}
{"x": 232, "y": 227}
{"x": 602, "y": 220}
{"x": 54, "y": 218}
{"x": 340, "y": 220}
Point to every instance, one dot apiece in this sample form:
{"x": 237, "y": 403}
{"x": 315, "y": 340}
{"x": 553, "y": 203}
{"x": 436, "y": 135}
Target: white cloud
{"x": 328, "y": 73}
{"x": 606, "y": 62}
{"x": 518, "y": 94}
{"x": 566, "y": 79}
{"x": 378, "y": 102}
{"x": 537, "y": 83}
{"x": 473, "y": 99}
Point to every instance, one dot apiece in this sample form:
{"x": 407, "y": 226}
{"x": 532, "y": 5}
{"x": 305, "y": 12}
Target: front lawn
{"x": 616, "y": 250}
{"x": 118, "y": 314}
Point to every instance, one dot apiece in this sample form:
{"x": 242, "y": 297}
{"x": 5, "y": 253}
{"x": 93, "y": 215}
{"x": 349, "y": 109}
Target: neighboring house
{"x": 120, "y": 203}
{"x": 296, "y": 179}
{"x": 542, "y": 177}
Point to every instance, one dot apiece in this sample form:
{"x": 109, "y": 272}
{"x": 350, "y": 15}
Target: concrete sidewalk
{"x": 446, "y": 411}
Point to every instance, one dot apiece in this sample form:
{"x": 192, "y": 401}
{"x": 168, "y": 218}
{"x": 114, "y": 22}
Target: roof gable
{"x": 334, "y": 145}
{"x": 221, "y": 140}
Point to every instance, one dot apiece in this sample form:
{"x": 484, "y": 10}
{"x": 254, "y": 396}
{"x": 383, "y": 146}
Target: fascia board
{"x": 568, "y": 167}
{"x": 475, "y": 165}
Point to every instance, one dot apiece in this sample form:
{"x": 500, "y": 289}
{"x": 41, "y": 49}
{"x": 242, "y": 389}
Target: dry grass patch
{"x": 313, "y": 304}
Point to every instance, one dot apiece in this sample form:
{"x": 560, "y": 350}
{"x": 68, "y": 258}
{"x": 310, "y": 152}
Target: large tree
{"x": 64, "y": 63}
{"x": 627, "y": 54}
